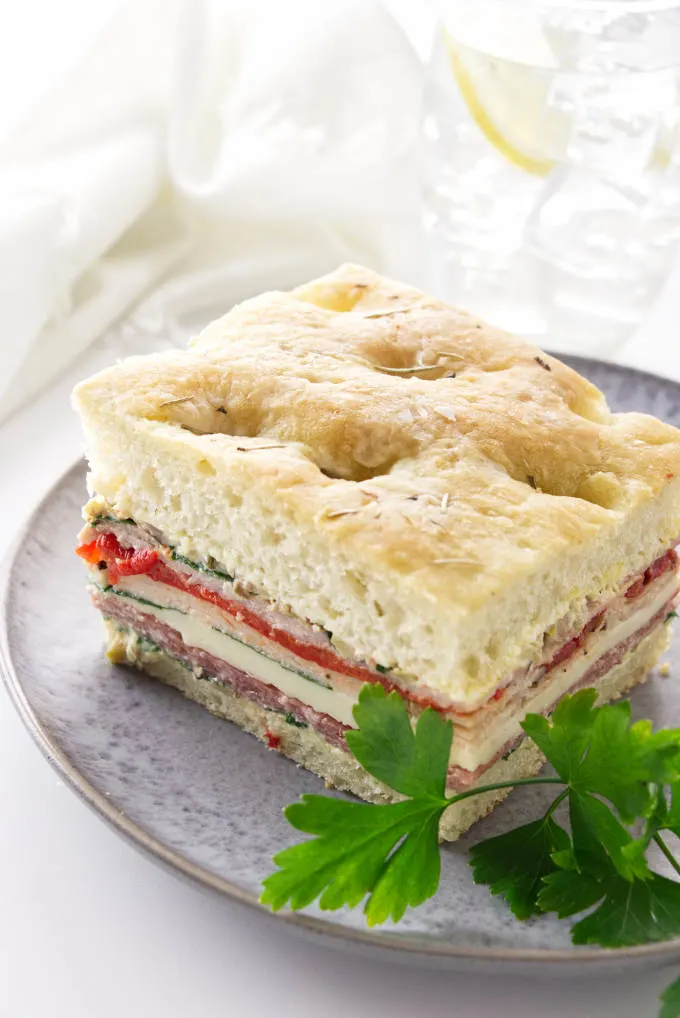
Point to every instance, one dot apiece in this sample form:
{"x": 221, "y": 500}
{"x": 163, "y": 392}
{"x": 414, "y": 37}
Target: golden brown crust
{"x": 511, "y": 434}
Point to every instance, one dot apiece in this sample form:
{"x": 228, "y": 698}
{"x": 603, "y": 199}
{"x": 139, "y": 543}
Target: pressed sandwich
{"x": 354, "y": 482}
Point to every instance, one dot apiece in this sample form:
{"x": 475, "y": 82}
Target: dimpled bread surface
{"x": 433, "y": 491}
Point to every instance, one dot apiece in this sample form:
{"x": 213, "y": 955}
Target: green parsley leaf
{"x": 670, "y": 1001}
{"x": 671, "y": 818}
{"x": 568, "y": 892}
{"x": 515, "y": 864}
{"x": 600, "y": 841}
{"x": 411, "y": 875}
{"x": 597, "y": 750}
{"x": 563, "y": 737}
{"x": 653, "y": 823}
{"x": 390, "y": 853}
{"x": 624, "y": 759}
{"x": 622, "y": 783}
{"x": 354, "y": 854}
{"x": 411, "y": 762}
{"x": 637, "y": 912}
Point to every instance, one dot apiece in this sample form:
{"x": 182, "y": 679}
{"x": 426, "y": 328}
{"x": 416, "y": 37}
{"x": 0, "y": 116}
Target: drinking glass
{"x": 552, "y": 164}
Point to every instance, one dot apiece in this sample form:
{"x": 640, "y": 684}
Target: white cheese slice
{"x": 198, "y": 634}
{"x": 562, "y": 679}
{"x": 339, "y": 703}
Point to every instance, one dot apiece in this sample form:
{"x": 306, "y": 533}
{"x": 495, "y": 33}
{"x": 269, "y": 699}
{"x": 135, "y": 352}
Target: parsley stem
{"x": 503, "y": 784}
{"x": 563, "y": 794}
{"x": 667, "y": 852}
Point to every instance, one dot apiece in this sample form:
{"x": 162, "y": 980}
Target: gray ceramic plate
{"x": 206, "y": 799}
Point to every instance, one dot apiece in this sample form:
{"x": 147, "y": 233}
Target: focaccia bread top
{"x": 424, "y": 451}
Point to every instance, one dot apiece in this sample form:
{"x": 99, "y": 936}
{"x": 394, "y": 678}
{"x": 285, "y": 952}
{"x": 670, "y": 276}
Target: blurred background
{"x": 161, "y": 160}
{"x": 177, "y": 157}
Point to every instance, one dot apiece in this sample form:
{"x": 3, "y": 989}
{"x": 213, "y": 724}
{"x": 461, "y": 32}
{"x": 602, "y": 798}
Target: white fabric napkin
{"x": 224, "y": 147}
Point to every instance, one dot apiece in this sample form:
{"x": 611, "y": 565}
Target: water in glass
{"x": 552, "y": 164}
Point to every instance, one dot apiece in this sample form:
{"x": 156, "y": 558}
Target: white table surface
{"x": 91, "y": 929}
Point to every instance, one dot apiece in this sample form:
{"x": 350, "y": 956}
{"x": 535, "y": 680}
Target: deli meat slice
{"x": 214, "y": 667}
{"x": 164, "y": 636}
{"x": 306, "y": 644}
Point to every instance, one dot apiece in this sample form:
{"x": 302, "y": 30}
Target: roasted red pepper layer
{"x": 270, "y": 698}
{"x": 120, "y": 561}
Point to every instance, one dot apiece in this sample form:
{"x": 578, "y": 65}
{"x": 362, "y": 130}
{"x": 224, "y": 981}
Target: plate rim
{"x": 413, "y": 945}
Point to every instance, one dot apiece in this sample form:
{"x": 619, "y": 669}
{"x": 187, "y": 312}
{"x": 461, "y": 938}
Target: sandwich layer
{"x": 310, "y": 748}
{"x": 286, "y": 664}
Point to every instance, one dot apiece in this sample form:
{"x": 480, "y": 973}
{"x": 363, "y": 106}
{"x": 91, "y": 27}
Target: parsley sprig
{"x": 619, "y": 788}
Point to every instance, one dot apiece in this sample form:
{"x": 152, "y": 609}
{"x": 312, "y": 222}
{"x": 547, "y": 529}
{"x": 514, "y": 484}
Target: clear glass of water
{"x": 552, "y": 164}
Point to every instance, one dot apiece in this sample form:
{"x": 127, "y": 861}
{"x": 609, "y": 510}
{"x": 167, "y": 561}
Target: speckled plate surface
{"x": 204, "y": 798}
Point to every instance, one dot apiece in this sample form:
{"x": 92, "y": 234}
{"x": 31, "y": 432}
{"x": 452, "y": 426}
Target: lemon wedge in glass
{"x": 504, "y": 69}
